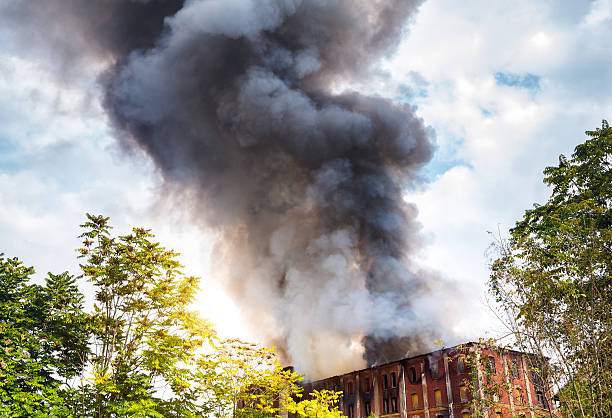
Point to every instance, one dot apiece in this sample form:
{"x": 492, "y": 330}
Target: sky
{"x": 506, "y": 87}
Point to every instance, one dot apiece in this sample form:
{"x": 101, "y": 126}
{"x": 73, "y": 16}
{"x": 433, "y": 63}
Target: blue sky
{"x": 507, "y": 88}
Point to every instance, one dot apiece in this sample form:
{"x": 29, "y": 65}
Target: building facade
{"x": 451, "y": 382}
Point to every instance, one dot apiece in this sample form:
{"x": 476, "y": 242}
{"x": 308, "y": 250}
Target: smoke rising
{"x": 237, "y": 104}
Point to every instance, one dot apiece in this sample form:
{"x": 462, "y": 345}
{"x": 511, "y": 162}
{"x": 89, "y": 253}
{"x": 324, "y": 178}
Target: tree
{"x": 152, "y": 356}
{"x": 246, "y": 380}
{"x": 141, "y": 352}
{"x": 552, "y": 279}
{"x": 43, "y": 341}
{"x": 145, "y": 338}
{"x": 321, "y": 404}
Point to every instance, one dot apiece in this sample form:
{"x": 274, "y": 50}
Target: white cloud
{"x": 601, "y": 11}
{"x": 498, "y": 137}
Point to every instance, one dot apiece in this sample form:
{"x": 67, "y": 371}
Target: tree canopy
{"x": 43, "y": 341}
{"x": 141, "y": 352}
{"x": 552, "y": 278}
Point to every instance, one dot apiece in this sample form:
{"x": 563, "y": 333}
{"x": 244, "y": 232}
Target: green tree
{"x": 141, "y": 352}
{"x": 552, "y": 279}
{"x": 146, "y": 339}
{"x": 153, "y": 356}
{"x": 43, "y": 341}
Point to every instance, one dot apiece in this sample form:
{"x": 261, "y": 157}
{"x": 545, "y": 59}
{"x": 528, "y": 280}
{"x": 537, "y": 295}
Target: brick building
{"x": 437, "y": 385}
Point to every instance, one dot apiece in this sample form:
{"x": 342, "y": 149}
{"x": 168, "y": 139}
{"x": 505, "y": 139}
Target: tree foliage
{"x": 145, "y": 338}
{"x": 141, "y": 352}
{"x": 321, "y": 404}
{"x": 43, "y": 341}
{"x": 246, "y": 380}
{"x": 552, "y": 278}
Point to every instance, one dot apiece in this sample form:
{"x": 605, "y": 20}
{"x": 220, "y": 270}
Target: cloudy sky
{"x": 506, "y": 89}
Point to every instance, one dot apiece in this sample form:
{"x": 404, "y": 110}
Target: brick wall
{"x": 437, "y": 385}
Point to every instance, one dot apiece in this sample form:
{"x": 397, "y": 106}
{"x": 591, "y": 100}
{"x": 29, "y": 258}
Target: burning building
{"x": 451, "y": 382}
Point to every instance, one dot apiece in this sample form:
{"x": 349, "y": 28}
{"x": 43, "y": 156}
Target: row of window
{"x": 515, "y": 367}
{"x": 414, "y": 397}
{"x": 390, "y": 407}
{"x": 434, "y": 368}
{"x": 389, "y": 381}
{"x": 393, "y": 380}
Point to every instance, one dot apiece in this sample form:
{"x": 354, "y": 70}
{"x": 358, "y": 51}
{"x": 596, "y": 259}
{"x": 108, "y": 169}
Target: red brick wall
{"x": 423, "y": 366}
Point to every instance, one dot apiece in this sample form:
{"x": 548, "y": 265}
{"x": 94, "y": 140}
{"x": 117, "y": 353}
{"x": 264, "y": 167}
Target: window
{"x": 393, "y": 405}
{"x": 463, "y": 393}
{"x": 412, "y": 376}
{"x": 385, "y": 406}
{"x": 385, "y": 381}
{"x": 350, "y": 389}
{"x": 393, "y": 380}
{"x": 415, "y": 401}
{"x": 438, "y": 396}
{"x": 492, "y": 364}
{"x": 541, "y": 399}
{"x": 460, "y": 365}
{"x": 434, "y": 369}
{"x": 515, "y": 369}
{"x": 518, "y": 397}
{"x": 536, "y": 378}
{"x": 366, "y": 384}
{"x": 367, "y": 408}
{"x": 351, "y": 411}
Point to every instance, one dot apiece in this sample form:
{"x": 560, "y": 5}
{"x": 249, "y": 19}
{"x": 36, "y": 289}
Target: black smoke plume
{"x": 241, "y": 106}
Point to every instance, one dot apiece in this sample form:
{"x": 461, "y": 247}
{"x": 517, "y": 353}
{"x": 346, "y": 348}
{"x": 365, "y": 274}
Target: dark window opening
{"x": 385, "y": 382}
{"x": 435, "y": 373}
{"x": 515, "y": 369}
{"x": 412, "y": 377}
{"x": 393, "y": 380}
{"x": 541, "y": 399}
{"x": 536, "y": 378}
{"x": 367, "y": 384}
{"x": 385, "y": 406}
{"x": 368, "y": 409}
{"x": 460, "y": 365}
{"x": 350, "y": 389}
{"x": 393, "y": 405}
{"x": 351, "y": 411}
{"x": 492, "y": 364}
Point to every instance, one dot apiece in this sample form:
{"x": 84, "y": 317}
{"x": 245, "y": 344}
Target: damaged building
{"x": 445, "y": 383}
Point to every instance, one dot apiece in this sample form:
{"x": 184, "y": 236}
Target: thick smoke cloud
{"x": 237, "y": 104}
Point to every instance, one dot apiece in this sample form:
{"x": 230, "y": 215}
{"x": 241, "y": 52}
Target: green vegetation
{"x": 43, "y": 341}
{"x": 551, "y": 279}
{"x": 141, "y": 352}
